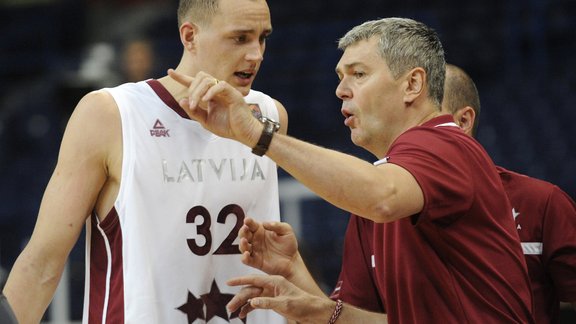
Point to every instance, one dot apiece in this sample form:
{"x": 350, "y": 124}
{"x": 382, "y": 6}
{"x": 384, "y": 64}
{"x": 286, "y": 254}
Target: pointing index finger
{"x": 180, "y": 78}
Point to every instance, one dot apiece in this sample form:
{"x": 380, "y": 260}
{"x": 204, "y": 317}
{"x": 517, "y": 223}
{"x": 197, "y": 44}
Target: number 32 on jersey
{"x": 203, "y": 229}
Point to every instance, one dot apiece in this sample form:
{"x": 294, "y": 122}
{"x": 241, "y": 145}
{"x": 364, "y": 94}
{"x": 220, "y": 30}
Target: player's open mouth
{"x": 244, "y": 75}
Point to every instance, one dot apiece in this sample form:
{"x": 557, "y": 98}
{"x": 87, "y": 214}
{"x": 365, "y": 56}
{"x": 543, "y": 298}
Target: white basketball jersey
{"x": 164, "y": 253}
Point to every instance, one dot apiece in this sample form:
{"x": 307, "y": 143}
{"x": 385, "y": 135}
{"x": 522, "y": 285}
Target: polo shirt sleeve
{"x": 439, "y": 165}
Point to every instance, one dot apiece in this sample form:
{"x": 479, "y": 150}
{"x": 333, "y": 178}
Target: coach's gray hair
{"x": 197, "y": 11}
{"x": 405, "y": 44}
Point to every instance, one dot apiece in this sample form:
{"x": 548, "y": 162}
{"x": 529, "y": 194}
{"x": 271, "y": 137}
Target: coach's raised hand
{"x": 269, "y": 246}
{"x": 218, "y": 107}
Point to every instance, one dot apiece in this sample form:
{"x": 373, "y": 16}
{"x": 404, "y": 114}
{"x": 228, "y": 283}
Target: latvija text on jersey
{"x": 200, "y": 170}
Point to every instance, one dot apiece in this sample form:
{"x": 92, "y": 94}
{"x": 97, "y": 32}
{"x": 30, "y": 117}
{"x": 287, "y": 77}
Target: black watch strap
{"x": 270, "y": 127}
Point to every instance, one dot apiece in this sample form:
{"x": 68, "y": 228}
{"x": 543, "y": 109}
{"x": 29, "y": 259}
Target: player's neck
{"x": 174, "y": 88}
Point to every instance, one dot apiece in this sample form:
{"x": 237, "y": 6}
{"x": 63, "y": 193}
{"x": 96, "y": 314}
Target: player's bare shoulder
{"x": 95, "y": 129}
{"x": 100, "y": 105}
{"x": 93, "y": 142}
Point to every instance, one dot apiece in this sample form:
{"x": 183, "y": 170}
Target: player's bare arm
{"x": 85, "y": 176}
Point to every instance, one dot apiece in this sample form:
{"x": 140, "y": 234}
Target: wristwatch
{"x": 270, "y": 127}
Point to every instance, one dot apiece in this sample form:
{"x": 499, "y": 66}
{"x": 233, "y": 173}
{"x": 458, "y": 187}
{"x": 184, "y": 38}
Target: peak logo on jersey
{"x": 158, "y": 130}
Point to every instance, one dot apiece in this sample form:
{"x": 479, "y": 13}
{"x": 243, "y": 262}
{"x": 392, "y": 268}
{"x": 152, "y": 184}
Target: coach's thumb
{"x": 279, "y": 228}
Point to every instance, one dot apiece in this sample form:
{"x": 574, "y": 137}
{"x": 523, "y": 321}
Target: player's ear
{"x": 465, "y": 118}
{"x": 188, "y": 33}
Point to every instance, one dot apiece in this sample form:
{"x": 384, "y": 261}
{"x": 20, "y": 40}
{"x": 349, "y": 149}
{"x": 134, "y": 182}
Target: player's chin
{"x": 243, "y": 84}
{"x": 244, "y": 90}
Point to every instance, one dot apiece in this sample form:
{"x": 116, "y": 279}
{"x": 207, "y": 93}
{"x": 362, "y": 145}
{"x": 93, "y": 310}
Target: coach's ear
{"x": 465, "y": 118}
{"x": 414, "y": 85}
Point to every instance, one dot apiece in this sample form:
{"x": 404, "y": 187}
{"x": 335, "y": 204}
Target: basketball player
{"x": 161, "y": 197}
{"x": 446, "y": 248}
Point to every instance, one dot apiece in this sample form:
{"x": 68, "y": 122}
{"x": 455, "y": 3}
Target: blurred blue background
{"x": 519, "y": 52}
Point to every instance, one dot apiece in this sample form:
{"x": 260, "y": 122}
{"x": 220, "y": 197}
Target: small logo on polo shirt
{"x": 158, "y": 130}
{"x": 515, "y": 214}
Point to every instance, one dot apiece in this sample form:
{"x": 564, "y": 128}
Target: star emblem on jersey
{"x": 193, "y": 308}
{"x": 214, "y": 302}
{"x": 158, "y": 130}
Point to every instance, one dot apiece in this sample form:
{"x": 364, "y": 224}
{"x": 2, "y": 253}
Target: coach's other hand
{"x": 278, "y": 294}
